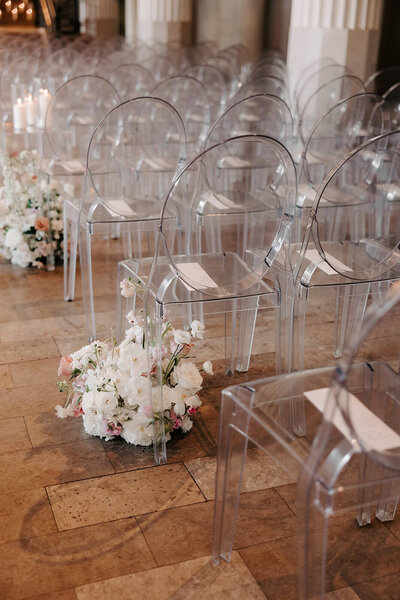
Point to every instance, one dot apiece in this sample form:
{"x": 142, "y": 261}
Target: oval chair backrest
{"x": 233, "y": 205}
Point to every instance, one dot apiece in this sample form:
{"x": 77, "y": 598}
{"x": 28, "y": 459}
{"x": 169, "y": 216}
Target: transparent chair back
{"x": 324, "y": 97}
{"x": 189, "y": 97}
{"x": 260, "y": 114}
{"x": 72, "y": 115}
{"x": 264, "y": 85}
{"x": 132, "y": 81}
{"x": 383, "y": 79}
{"x": 344, "y": 127}
{"x": 213, "y": 81}
{"x": 316, "y": 77}
{"x": 161, "y": 67}
{"x": 367, "y": 180}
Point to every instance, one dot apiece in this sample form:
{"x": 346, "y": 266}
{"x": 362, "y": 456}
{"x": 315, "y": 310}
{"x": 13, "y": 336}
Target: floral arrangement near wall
{"x": 31, "y": 212}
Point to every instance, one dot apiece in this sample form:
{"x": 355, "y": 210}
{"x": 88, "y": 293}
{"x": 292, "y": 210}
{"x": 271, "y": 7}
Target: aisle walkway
{"x": 82, "y": 519}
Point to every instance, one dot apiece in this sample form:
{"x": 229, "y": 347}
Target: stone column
{"x": 346, "y": 30}
{"x": 99, "y": 17}
{"x": 228, "y": 22}
{"x": 165, "y": 21}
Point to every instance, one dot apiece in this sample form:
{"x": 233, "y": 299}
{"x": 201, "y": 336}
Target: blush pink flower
{"x": 176, "y": 421}
{"x": 113, "y": 428}
{"x": 41, "y": 224}
{"x": 65, "y": 367}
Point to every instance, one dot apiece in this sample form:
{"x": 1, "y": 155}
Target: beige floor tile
{"x": 28, "y": 400}
{"x": 12, "y": 352}
{"x": 122, "y": 495}
{"x": 63, "y": 595}
{"x": 181, "y": 446}
{"x": 46, "y": 429}
{"x": 14, "y": 435}
{"x": 262, "y": 516}
{"x": 6, "y": 380}
{"x": 189, "y": 580}
{"x": 47, "y": 466}
{"x": 24, "y": 515}
{"x": 260, "y": 472}
{"x": 35, "y": 372}
{"x": 343, "y": 594}
{"x": 52, "y": 563}
{"x": 42, "y": 327}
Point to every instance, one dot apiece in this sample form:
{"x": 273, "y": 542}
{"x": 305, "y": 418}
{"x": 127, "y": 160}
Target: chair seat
{"x": 346, "y": 257}
{"x": 217, "y": 270}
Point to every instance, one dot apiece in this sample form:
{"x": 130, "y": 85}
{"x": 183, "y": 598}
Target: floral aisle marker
{"x": 113, "y": 390}
{"x": 31, "y": 212}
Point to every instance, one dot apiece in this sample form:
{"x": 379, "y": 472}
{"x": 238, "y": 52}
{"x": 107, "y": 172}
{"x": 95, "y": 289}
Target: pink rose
{"x": 65, "y": 367}
{"x": 41, "y": 224}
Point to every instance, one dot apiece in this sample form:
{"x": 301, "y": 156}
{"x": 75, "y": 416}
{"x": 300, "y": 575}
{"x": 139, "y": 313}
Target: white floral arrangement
{"x": 31, "y": 212}
{"x": 112, "y": 387}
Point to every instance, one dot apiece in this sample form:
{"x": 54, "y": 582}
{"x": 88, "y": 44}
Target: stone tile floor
{"x": 81, "y": 518}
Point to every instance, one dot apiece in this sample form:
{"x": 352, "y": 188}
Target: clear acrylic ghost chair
{"x": 225, "y": 66}
{"x": 264, "y": 85}
{"x": 392, "y": 99}
{"x": 326, "y": 96}
{"x": 72, "y": 115}
{"x": 132, "y": 157}
{"x": 215, "y": 287}
{"x": 343, "y": 265}
{"x": 189, "y": 97}
{"x": 263, "y": 114}
{"x": 265, "y": 69}
{"x": 131, "y": 81}
{"x": 345, "y": 126}
{"x": 213, "y": 82}
{"x": 349, "y": 460}
{"x": 309, "y": 70}
{"x": 92, "y": 65}
{"x": 314, "y": 78}
{"x": 380, "y": 81}
{"x": 161, "y": 67}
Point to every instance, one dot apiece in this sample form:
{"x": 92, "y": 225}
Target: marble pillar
{"x": 228, "y": 22}
{"x": 165, "y": 21}
{"x": 347, "y": 31}
{"x": 99, "y": 17}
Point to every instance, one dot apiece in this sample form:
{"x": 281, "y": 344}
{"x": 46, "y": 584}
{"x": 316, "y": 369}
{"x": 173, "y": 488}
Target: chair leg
{"x": 232, "y": 446}
{"x": 247, "y": 323}
{"x": 85, "y": 255}
{"x": 351, "y": 302}
{"x": 71, "y": 234}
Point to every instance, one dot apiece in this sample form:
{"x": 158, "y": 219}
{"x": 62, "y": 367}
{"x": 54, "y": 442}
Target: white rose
{"x": 13, "y": 238}
{"x": 187, "y": 375}
{"x": 181, "y": 337}
{"x": 138, "y": 431}
{"x": 186, "y": 424}
{"x": 127, "y": 288}
{"x": 198, "y": 329}
{"x": 208, "y": 368}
